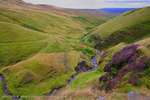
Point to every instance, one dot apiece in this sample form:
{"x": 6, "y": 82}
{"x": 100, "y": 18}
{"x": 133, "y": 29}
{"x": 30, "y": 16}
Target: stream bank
{"x": 6, "y": 90}
{"x": 81, "y": 67}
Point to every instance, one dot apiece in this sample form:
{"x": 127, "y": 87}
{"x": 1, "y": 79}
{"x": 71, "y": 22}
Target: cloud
{"x": 128, "y": 1}
{"x": 94, "y": 4}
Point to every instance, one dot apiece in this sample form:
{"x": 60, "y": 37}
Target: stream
{"x": 5, "y": 89}
{"x": 81, "y": 67}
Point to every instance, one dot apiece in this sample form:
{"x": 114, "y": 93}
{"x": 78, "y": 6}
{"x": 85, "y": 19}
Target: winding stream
{"x": 8, "y": 93}
{"x": 81, "y": 68}
{"x": 5, "y": 89}
{"x": 94, "y": 66}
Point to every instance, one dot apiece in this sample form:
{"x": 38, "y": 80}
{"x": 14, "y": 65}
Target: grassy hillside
{"x": 40, "y": 73}
{"x": 27, "y": 25}
{"x": 16, "y": 33}
{"x": 87, "y": 85}
{"x": 25, "y": 32}
{"x": 89, "y": 22}
{"x": 40, "y": 45}
{"x": 133, "y": 28}
{"x": 18, "y": 42}
{"x": 127, "y": 27}
{"x": 42, "y": 22}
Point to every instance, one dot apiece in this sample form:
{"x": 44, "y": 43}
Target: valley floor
{"x": 49, "y": 53}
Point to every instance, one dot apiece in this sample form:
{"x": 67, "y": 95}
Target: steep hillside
{"x": 128, "y": 27}
{"x": 123, "y": 65}
{"x": 18, "y": 42}
{"x": 45, "y": 51}
{"x": 42, "y": 22}
{"x": 40, "y": 73}
{"x": 30, "y": 24}
{"x": 30, "y": 27}
{"x": 26, "y": 29}
{"x": 40, "y": 45}
{"x": 90, "y": 17}
{"x": 117, "y": 81}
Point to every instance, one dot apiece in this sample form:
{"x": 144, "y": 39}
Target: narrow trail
{"x": 5, "y": 89}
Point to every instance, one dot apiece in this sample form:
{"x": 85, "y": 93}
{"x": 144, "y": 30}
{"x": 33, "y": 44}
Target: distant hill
{"x": 127, "y": 27}
{"x": 116, "y": 10}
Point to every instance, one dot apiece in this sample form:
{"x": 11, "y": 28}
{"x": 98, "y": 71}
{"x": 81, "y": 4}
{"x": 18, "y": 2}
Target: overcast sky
{"x": 92, "y": 4}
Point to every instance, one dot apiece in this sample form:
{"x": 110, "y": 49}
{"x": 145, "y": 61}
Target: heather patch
{"x": 128, "y": 60}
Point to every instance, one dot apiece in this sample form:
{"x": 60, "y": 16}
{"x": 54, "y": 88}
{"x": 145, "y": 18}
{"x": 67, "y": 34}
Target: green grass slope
{"x": 26, "y": 32}
{"x": 85, "y": 79}
{"x": 133, "y": 28}
{"x": 127, "y": 27}
{"x": 89, "y": 22}
{"x": 17, "y": 42}
{"x": 22, "y": 29}
{"x": 39, "y": 48}
{"x": 40, "y": 73}
{"x": 42, "y": 22}
{"x": 87, "y": 83}
{"x": 16, "y": 33}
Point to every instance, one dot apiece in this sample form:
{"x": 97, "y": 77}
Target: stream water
{"x": 94, "y": 66}
{"x": 81, "y": 67}
{"x": 5, "y": 89}
{"x": 7, "y": 92}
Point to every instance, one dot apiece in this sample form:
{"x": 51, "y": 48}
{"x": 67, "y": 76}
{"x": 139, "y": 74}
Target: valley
{"x": 47, "y": 52}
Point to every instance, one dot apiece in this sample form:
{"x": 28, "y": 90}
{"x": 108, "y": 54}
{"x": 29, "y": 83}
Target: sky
{"x": 93, "y": 4}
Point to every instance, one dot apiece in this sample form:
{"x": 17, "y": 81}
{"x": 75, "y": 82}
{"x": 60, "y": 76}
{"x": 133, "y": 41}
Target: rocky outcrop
{"x": 82, "y": 67}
